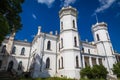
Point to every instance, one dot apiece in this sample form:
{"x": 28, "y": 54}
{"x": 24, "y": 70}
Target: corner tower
{"x": 103, "y": 44}
{"x": 69, "y": 57}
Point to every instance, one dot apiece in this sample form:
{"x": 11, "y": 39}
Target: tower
{"x": 103, "y": 44}
{"x": 69, "y": 58}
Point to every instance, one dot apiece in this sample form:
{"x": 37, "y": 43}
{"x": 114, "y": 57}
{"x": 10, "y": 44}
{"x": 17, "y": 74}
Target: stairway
{"x": 4, "y": 75}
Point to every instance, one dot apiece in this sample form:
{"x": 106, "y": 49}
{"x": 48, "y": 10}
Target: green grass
{"x": 51, "y": 78}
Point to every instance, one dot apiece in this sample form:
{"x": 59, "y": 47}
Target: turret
{"x": 69, "y": 58}
{"x": 103, "y": 44}
{"x": 102, "y": 39}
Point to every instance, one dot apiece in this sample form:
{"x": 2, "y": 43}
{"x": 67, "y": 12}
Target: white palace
{"x": 61, "y": 55}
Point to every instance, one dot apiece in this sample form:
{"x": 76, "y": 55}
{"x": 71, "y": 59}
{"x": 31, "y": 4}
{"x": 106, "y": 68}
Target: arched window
{"x": 62, "y": 62}
{"x": 10, "y": 66}
{"x": 3, "y": 49}
{"x": 47, "y": 63}
{"x": 61, "y": 42}
{"x": 75, "y": 42}
{"x": 22, "y": 51}
{"x": 48, "y": 45}
{"x": 61, "y": 25}
{"x": 20, "y": 65}
{"x": 0, "y": 63}
{"x": 59, "y": 63}
{"x": 77, "y": 63}
{"x": 82, "y": 50}
{"x": 13, "y": 50}
{"x": 89, "y": 51}
{"x": 98, "y": 39}
{"x": 73, "y": 23}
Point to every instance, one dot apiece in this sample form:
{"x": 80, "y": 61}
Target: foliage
{"x": 86, "y": 72}
{"x": 116, "y": 69}
{"x": 99, "y": 71}
{"x": 9, "y": 17}
{"x": 96, "y": 72}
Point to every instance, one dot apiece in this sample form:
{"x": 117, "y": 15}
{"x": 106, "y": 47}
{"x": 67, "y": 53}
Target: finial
{"x": 56, "y": 33}
{"x": 39, "y": 30}
{"x": 51, "y": 32}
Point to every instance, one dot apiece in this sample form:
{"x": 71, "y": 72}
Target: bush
{"x": 116, "y": 69}
{"x": 99, "y": 71}
{"x": 96, "y": 72}
{"x": 86, "y": 72}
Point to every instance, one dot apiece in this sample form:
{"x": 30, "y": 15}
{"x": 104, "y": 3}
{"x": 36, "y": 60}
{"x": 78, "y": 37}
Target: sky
{"x": 44, "y": 13}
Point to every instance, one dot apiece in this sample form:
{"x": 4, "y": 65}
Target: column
{"x": 90, "y": 61}
{"x": 83, "y": 61}
{"x": 97, "y": 61}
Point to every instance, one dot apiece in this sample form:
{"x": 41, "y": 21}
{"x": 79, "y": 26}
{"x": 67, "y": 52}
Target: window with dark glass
{"x": 75, "y": 42}
{"x": 89, "y": 51}
{"x": 23, "y": 51}
{"x": 77, "y": 63}
{"x": 20, "y": 65}
{"x": 3, "y": 49}
{"x": 47, "y": 63}
{"x": 48, "y": 45}
{"x": 73, "y": 23}
{"x": 13, "y": 50}
{"x": 98, "y": 39}
{"x": 61, "y": 42}
{"x": 62, "y": 62}
{"x": 82, "y": 50}
{"x": 0, "y": 63}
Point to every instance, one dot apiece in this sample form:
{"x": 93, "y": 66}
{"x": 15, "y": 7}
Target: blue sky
{"x": 45, "y": 13}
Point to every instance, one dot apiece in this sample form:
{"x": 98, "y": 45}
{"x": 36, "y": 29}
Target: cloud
{"x": 104, "y": 4}
{"x": 34, "y": 16}
{"x": 47, "y": 2}
{"x": 67, "y": 2}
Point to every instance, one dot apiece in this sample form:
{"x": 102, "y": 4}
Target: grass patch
{"x": 51, "y": 78}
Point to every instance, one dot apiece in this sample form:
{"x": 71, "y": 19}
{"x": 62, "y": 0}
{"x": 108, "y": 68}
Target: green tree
{"x": 86, "y": 72}
{"x": 96, "y": 72}
{"x": 9, "y": 17}
{"x": 116, "y": 69}
{"x": 99, "y": 71}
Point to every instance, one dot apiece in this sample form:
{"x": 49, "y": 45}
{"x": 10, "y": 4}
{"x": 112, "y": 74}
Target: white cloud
{"x": 34, "y": 16}
{"x": 47, "y": 2}
{"x": 104, "y": 4}
{"x": 67, "y": 2}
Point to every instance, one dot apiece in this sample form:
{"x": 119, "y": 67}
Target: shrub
{"x": 96, "y": 72}
{"x": 86, "y": 72}
{"x": 99, "y": 71}
{"x": 116, "y": 69}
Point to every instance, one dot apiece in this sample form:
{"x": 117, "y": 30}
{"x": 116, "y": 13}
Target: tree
{"x": 99, "y": 71}
{"x": 9, "y": 17}
{"x": 96, "y": 72}
{"x": 116, "y": 69}
{"x": 86, "y": 72}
